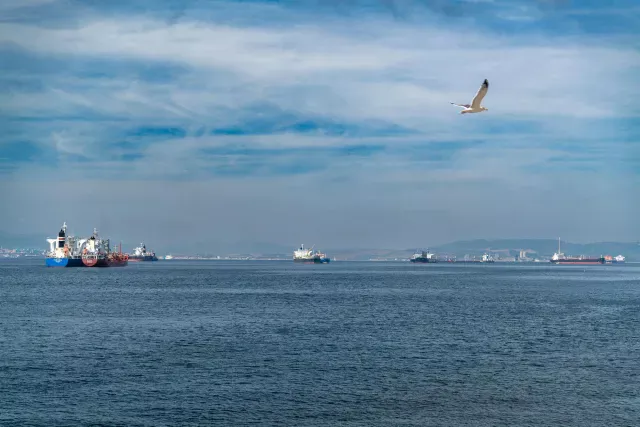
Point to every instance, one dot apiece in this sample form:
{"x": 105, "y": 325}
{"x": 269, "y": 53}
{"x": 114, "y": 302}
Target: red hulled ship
{"x": 96, "y": 252}
{"x": 560, "y": 258}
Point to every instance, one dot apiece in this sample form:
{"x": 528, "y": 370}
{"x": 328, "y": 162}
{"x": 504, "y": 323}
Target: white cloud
{"x": 402, "y": 73}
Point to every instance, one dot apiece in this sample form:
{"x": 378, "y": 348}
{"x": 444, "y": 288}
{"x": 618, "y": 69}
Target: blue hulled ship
{"x": 308, "y": 256}
{"x": 61, "y": 253}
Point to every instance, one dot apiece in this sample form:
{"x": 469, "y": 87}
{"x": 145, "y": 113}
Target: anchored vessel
{"x": 62, "y": 251}
{"x": 140, "y": 254}
{"x": 308, "y": 256}
{"x": 488, "y": 258}
{"x": 71, "y": 251}
{"x": 117, "y": 259}
{"x": 560, "y": 258}
{"x": 424, "y": 257}
{"x": 620, "y": 259}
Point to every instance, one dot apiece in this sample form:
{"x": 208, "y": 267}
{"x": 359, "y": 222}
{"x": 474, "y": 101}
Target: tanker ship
{"x": 308, "y": 256}
{"x": 140, "y": 254}
{"x": 70, "y": 251}
{"x": 424, "y": 257}
{"x": 560, "y": 258}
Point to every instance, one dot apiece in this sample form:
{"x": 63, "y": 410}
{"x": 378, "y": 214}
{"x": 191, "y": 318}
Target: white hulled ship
{"x": 140, "y": 254}
{"x": 308, "y": 256}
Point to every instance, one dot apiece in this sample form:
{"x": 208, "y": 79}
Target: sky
{"x": 235, "y": 125}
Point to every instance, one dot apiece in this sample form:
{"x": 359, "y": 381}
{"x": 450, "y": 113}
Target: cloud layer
{"x": 231, "y": 111}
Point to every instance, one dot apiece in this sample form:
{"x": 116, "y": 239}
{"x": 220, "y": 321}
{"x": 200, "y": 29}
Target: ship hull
{"x": 87, "y": 262}
{"x": 423, "y": 260}
{"x": 92, "y": 261}
{"x": 134, "y": 258}
{"x": 64, "y": 262}
{"x": 312, "y": 260}
{"x": 587, "y": 261}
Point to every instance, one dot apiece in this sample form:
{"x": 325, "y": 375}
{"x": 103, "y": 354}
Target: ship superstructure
{"x": 620, "y": 259}
{"x": 488, "y": 258}
{"x": 94, "y": 251}
{"x": 308, "y": 256}
{"x": 63, "y": 250}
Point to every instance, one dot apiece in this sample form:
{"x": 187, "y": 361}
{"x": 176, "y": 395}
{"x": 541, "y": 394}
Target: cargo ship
{"x": 561, "y": 259}
{"x": 140, "y": 254}
{"x": 424, "y": 257}
{"x": 308, "y": 256}
{"x": 62, "y": 251}
{"x": 70, "y": 251}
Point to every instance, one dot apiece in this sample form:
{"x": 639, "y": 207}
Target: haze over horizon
{"x": 234, "y": 123}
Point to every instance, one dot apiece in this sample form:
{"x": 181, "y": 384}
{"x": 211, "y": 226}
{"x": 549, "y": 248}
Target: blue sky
{"x": 326, "y": 122}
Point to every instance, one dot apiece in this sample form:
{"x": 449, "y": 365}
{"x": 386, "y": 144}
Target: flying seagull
{"x": 475, "y": 107}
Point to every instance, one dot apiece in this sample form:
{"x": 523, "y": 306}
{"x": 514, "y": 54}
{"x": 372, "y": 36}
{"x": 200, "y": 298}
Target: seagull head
{"x": 484, "y": 109}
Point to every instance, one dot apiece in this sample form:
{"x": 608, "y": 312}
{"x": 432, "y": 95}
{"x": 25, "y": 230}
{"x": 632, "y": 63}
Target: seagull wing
{"x": 480, "y": 95}
{"x": 461, "y": 105}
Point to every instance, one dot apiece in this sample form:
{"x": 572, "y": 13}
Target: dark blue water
{"x": 344, "y": 344}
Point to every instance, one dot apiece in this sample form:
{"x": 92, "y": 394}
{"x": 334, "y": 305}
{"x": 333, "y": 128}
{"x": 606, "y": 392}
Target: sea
{"x": 235, "y": 343}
